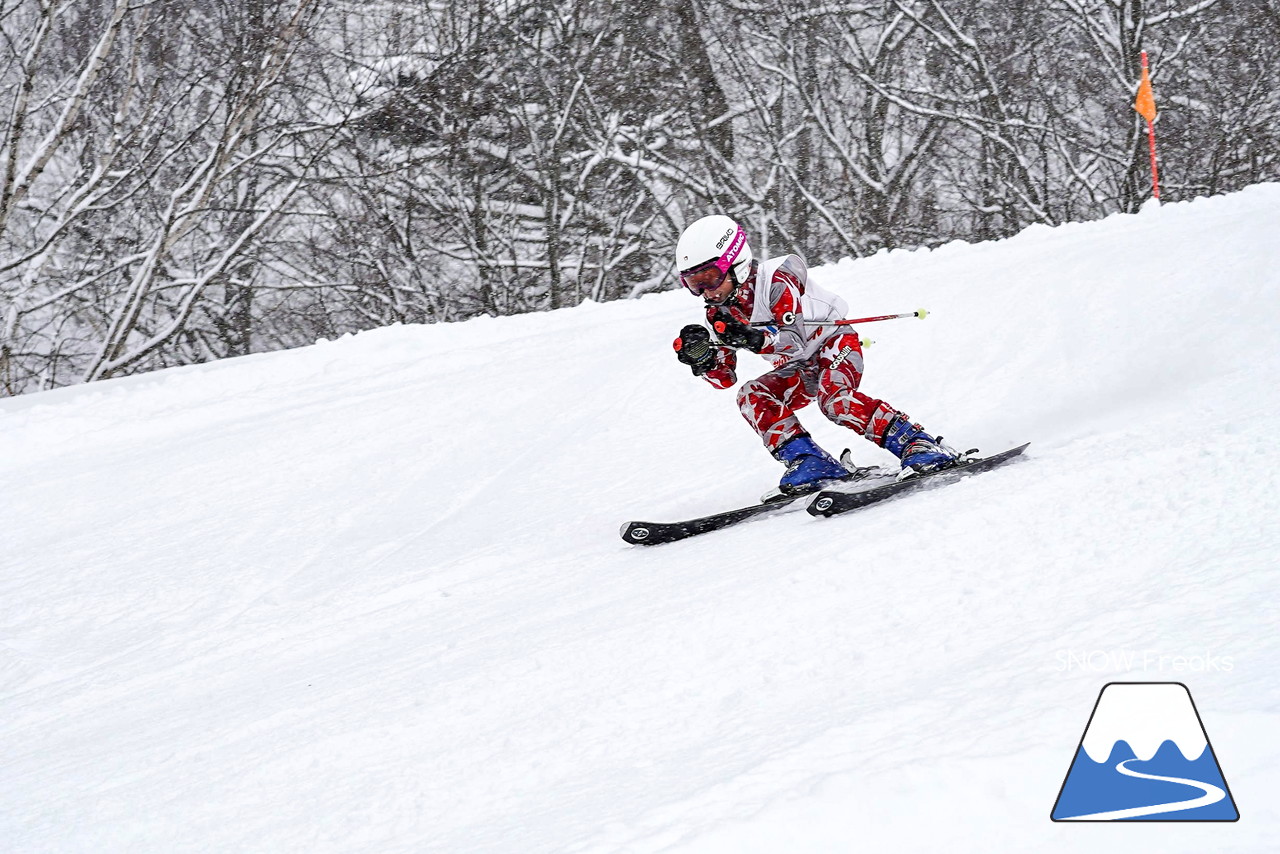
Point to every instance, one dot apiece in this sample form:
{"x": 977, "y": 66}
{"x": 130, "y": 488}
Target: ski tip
{"x": 636, "y": 533}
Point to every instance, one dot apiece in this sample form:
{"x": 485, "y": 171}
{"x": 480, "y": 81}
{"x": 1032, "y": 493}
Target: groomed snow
{"x": 369, "y": 596}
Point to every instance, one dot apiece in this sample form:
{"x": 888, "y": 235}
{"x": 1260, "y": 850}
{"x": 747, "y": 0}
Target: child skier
{"x": 772, "y": 309}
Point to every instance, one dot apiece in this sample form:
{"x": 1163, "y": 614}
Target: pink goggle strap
{"x": 731, "y": 254}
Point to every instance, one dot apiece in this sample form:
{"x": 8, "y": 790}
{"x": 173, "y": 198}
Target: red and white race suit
{"x": 813, "y": 359}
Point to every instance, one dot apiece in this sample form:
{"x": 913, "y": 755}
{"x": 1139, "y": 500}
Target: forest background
{"x": 186, "y": 180}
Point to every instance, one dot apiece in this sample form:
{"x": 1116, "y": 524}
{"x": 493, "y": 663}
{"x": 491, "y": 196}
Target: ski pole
{"x": 920, "y": 313}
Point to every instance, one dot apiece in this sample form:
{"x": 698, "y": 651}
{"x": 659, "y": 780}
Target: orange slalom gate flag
{"x": 1145, "y": 103}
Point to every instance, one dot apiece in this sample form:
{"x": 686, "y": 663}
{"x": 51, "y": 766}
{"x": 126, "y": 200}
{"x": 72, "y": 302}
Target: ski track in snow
{"x": 369, "y": 595}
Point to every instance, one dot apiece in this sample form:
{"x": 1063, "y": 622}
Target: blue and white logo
{"x": 1145, "y": 756}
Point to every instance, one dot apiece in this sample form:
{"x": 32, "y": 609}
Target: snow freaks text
{"x": 1150, "y": 661}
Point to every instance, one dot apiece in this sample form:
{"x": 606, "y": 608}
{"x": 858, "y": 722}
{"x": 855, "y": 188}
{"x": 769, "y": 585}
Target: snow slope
{"x": 370, "y": 595}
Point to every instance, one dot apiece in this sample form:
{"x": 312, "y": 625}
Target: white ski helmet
{"x": 713, "y": 241}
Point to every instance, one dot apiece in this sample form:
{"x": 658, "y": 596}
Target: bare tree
{"x": 140, "y": 175}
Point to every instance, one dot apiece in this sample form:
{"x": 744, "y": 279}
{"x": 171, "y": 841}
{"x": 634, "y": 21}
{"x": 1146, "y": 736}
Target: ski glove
{"x": 693, "y": 348}
{"x": 735, "y": 334}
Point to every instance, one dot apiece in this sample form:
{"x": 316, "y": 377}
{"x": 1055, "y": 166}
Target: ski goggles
{"x": 705, "y": 277}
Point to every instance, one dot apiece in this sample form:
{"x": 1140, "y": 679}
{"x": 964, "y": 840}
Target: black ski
{"x": 656, "y": 533}
{"x": 829, "y": 502}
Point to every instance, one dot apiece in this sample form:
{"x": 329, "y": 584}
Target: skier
{"x": 772, "y": 309}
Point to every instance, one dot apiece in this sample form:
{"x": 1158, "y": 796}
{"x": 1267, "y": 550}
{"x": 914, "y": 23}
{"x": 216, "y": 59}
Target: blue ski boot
{"x": 917, "y": 449}
{"x": 808, "y": 466}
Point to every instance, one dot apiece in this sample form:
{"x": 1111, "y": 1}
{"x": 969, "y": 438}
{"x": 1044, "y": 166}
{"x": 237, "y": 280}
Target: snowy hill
{"x": 370, "y": 595}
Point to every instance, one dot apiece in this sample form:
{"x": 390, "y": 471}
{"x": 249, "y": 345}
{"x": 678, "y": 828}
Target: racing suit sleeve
{"x": 723, "y": 373}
